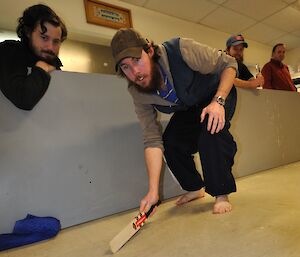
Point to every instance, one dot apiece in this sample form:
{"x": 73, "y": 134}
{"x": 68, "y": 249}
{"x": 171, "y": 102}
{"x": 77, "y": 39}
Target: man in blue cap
{"x": 235, "y": 46}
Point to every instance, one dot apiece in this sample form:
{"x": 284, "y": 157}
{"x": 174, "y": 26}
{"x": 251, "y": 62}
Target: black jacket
{"x": 244, "y": 72}
{"x": 21, "y": 81}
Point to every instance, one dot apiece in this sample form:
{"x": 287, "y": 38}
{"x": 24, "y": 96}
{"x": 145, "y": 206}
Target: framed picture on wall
{"x": 107, "y": 15}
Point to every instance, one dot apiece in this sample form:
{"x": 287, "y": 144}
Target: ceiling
{"x": 264, "y": 21}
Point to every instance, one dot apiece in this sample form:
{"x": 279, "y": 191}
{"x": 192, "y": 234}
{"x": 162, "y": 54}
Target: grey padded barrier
{"x": 78, "y": 155}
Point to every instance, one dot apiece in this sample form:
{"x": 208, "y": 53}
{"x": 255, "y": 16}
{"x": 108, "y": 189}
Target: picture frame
{"x": 107, "y": 15}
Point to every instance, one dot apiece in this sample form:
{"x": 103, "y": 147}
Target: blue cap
{"x": 236, "y": 40}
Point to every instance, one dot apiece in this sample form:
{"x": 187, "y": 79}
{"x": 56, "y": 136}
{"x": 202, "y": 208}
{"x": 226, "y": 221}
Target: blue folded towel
{"x": 30, "y": 230}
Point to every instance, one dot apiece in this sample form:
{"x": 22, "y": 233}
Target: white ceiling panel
{"x": 227, "y": 21}
{"x": 263, "y": 33}
{"x": 290, "y": 1}
{"x": 263, "y": 21}
{"x": 296, "y": 33}
{"x": 255, "y": 9}
{"x": 191, "y": 10}
{"x": 289, "y": 40}
{"x": 296, "y": 5}
{"x": 136, "y": 2}
{"x": 219, "y": 1}
{"x": 287, "y": 19}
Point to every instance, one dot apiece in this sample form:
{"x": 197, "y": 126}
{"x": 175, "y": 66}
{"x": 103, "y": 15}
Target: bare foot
{"x": 190, "y": 196}
{"x": 222, "y": 205}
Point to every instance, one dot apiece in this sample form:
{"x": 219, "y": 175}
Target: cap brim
{"x": 135, "y": 52}
{"x": 240, "y": 42}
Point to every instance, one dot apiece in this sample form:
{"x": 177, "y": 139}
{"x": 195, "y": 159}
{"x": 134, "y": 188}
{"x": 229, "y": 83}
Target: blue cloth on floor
{"x": 30, "y": 230}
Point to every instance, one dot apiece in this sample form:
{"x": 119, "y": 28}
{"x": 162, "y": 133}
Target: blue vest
{"x": 192, "y": 87}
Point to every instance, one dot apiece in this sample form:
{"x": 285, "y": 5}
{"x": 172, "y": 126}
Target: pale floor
{"x": 265, "y": 222}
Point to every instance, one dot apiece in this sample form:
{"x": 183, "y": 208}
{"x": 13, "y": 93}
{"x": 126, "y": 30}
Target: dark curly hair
{"x": 38, "y": 15}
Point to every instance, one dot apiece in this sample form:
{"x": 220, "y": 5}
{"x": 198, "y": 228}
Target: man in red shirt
{"x": 276, "y": 73}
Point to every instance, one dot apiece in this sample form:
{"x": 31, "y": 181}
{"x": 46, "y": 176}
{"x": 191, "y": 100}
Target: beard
{"x": 49, "y": 58}
{"x": 155, "y": 81}
{"x": 239, "y": 58}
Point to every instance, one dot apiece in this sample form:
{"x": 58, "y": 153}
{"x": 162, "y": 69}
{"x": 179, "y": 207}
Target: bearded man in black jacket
{"x": 25, "y": 65}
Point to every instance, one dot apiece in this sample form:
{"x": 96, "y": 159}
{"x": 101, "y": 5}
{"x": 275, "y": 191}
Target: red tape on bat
{"x": 140, "y": 221}
{"x": 141, "y": 218}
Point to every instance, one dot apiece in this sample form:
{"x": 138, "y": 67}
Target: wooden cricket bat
{"x": 133, "y": 227}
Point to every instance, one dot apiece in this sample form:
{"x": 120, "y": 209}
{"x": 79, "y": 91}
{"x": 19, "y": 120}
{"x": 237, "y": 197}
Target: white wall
{"x": 155, "y": 26}
{"x": 293, "y": 59}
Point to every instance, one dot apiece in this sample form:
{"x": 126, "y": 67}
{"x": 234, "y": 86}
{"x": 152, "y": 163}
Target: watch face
{"x": 221, "y": 100}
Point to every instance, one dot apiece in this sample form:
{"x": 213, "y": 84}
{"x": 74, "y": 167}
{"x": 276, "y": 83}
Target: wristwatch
{"x": 220, "y": 100}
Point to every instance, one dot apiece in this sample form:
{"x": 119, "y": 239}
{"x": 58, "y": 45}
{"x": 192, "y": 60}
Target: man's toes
{"x": 181, "y": 200}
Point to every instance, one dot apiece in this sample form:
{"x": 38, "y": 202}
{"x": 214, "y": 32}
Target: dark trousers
{"x": 184, "y": 136}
